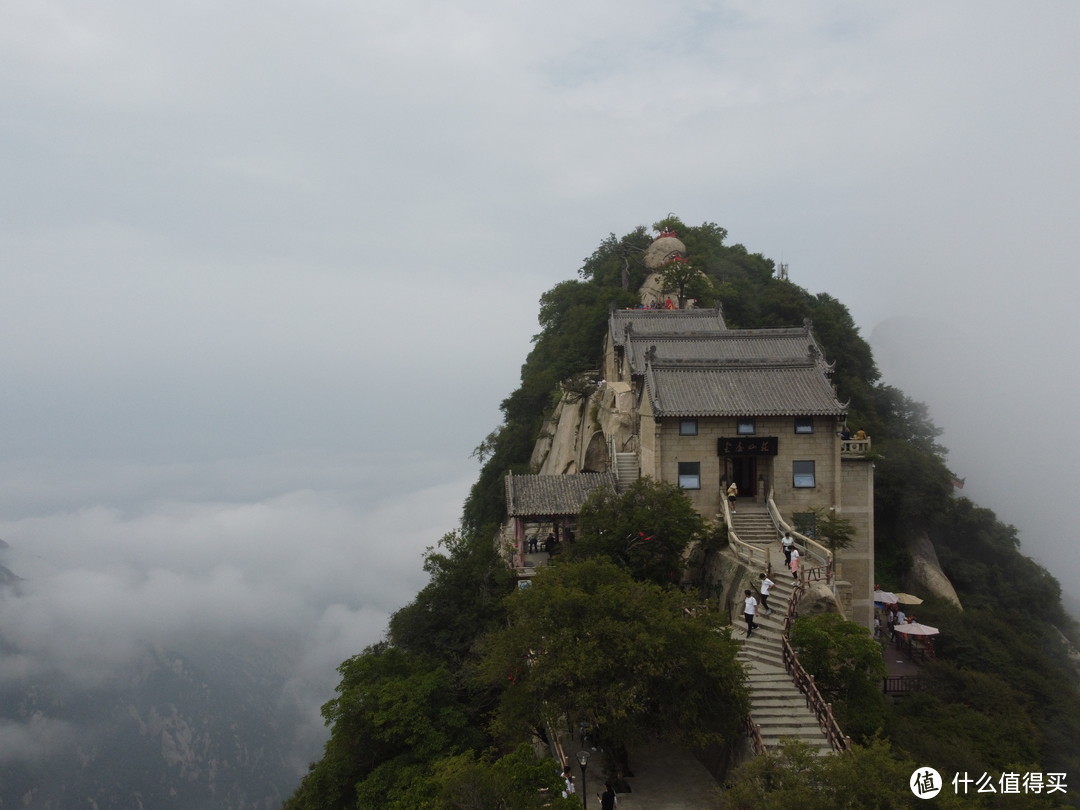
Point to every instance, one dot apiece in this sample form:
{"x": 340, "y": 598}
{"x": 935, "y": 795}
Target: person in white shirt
{"x": 749, "y": 611}
{"x": 766, "y": 586}
{"x": 788, "y": 543}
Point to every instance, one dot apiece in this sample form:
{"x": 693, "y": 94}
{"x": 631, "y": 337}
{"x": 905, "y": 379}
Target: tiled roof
{"x": 778, "y": 390}
{"x": 663, "y": 322}
{"x": 552, "y": 495}
{"x": 733, "y": 346}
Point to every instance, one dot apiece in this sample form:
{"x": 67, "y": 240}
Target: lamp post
{"x": 583, "y": 759}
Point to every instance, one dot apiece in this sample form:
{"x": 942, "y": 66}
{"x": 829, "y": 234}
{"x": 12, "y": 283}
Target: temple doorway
{"x": 744, "y": 474}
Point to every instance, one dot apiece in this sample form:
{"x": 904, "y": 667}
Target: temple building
{"x": 684, "y": 399}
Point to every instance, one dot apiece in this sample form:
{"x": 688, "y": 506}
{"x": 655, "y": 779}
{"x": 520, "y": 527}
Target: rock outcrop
{"x": 926, "y": 575}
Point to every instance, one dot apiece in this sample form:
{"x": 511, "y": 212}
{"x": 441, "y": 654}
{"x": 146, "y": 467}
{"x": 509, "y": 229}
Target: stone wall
{"x": 856, "y": 562}
{"x": 821, "y": 447}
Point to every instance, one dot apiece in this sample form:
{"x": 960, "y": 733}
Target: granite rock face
{"x": 817, "y": 600}
{"x": 926, "y": 575}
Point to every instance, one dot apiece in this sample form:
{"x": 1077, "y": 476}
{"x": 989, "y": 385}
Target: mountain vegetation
{"x": 473, "y": 666}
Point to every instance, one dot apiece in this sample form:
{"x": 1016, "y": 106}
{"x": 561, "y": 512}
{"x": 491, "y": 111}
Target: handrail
{"x": 900, "y": 684}
{"x": 752, "y": 552}
{"x": 753, "y": 731}
{"x": 805, "y": 682}
{"x": 814, "y": 549}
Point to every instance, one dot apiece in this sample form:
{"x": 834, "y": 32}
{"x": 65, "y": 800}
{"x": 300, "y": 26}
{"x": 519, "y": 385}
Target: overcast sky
{"x": 267, "y": 269}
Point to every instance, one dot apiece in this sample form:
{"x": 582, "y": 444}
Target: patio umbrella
{"x": 885, "y": 597}
{"x": 907, "y": 599}
{"x": 916, "y": 629}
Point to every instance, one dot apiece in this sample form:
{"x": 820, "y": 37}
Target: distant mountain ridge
{"x": 174, "y": 731}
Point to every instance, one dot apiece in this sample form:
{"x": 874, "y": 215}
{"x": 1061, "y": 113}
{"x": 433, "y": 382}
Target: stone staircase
{"x": 777, "y": 707}
{"x": 753, "y": 525}
{"x": 626, "y": 469}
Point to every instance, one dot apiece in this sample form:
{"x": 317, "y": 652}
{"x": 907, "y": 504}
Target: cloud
{"x": 266, "y": 273}
{"x": 312, "y": 575}
{"x": 34, "y": 740}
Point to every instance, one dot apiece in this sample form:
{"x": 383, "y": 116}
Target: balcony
{"x": 855, "y": 447}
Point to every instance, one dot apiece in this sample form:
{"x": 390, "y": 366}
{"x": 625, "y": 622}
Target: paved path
{"x": 665, "y": 778}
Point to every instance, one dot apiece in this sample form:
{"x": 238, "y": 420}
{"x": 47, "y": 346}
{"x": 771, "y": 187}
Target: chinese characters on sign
{"x": 1010, "y": 783}
{"x": 747, "y": 446}
{"x": 926, "y": 783}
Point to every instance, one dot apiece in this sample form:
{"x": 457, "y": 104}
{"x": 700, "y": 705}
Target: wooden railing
{"x": 753, "y": 731}
{"x": 901, "y": 684}
{"x": 805, "y": 682}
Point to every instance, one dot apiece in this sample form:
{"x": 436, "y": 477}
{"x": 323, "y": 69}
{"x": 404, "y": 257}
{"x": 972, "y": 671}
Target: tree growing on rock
{"x": 685, "y": 280}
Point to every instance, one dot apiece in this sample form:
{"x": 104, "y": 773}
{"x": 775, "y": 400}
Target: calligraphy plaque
{"x": 747, "y": 446}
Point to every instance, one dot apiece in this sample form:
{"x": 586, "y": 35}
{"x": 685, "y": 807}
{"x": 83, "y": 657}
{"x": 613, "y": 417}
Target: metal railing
{"x": 754, "y": 556}
{"x": 821, "y": 556}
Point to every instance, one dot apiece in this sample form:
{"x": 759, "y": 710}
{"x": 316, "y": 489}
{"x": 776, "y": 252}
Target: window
{"x": 746, "y": 426}
{"x": 802, "y": 474}
{"x": 804, "y": 424}
{"x": 688, "y": 427}
{"x": 690, "y": 474}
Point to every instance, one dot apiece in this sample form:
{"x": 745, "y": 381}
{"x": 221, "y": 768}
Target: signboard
{"x": 747, "y": 446}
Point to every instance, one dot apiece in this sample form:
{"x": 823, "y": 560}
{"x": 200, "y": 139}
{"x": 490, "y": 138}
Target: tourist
{"x": 732, "y": 494}
{"x": 787, "y": 542}
{"x": 749, "y": 611}
{"x": 766, "y": 585}
{"x": 794, "y": 563}
{"x": 608, "y": 801}
{"x": 898, "y": 619}
{"x": 568, "y": 777}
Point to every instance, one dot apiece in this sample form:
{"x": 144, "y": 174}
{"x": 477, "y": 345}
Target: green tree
{"x": 793, "y": 775}
{"x": 874, "y": 776}
{"x": 586, "y": 643}
{"x": 647, "y": 529}
{"x": 519, "y": 780}
{"x": 393, "y": 710}
{"x": 618, "y": 262}
{"x": 686, "y": 281}
{"x": 462, "y": 599}
{"x": 847, "y": 667}
{"x": 834, "y": 530}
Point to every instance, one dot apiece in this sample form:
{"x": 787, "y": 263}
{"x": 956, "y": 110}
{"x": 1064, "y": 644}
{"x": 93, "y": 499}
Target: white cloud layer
{"x": 266, "y": 271}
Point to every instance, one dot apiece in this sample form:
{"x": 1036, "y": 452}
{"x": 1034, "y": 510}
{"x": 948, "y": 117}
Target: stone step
{"x": 759, "y": 657}
{"x": 777, "y": 691}
{"x": 779, "y": 733}
{"x": 780, "y": 712}
{"x": 763, "y": 679}
{"x": 784, "y": 693}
